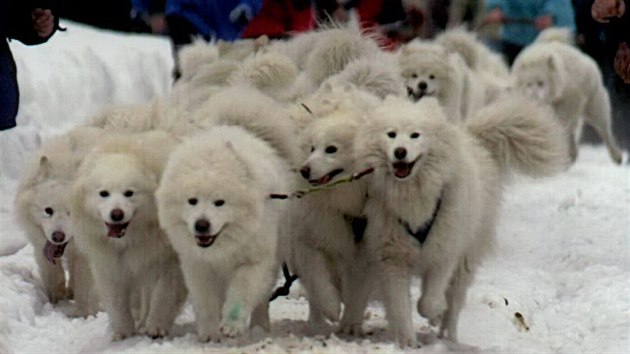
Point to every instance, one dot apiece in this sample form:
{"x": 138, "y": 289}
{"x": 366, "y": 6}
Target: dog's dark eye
{"x": 312, "y": 148}
{"x": 128, "y": 194}
{"x": 103, "y": 194}
{"x": 414, "y": 135}
{"x": 219, "y": 202}
{"x": 49, "y": 211}
{"x": 414, "y": 76}
{"x": 331, "y": 149}
{"x": 540, "y": 83}
{"x": 192, "y": 201}
{"x": 431, "y": 77}
{"x": 391, "y": 134}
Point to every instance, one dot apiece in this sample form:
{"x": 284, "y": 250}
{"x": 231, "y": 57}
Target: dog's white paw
{"x": 155, "y": 331}
{"x": 407, "y": 340}
{"x": 209, "y": 336}
{"x": 233, "y": 327}
{"x": 122, "y": 334}
{"x": 352, "y": 329}
{"x": 432, "y": 308}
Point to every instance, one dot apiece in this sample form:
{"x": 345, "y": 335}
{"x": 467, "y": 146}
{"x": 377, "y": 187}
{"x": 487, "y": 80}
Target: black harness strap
{"x": 288, "y": 281}
{"x": 423, "y": 231}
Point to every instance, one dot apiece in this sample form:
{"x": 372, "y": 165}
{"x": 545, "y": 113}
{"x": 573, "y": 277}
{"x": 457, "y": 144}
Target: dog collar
{"x": 423, "y": 231}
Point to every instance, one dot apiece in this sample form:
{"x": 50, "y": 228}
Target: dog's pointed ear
{"x": 44, "y": 168}
{"x": 556, "y": 76}
{"x": 237, "y": 156}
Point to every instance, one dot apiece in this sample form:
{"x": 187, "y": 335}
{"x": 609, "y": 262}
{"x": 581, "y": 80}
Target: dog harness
{"x": 423, "y": 231}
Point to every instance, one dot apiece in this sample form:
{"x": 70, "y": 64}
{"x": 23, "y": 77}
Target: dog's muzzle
{"x": 326, "y": 178}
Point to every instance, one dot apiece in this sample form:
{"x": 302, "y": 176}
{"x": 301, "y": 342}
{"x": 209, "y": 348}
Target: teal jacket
{"x": 523, "y": 33}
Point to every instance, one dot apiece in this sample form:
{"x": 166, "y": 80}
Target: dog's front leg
{"x": 204, "y": 288}
{"x": 113, "y": 285}
{"x": 397, "y": 299}
{"x": 249, "y": 286}
{"x": 167, "y": 299}
{"x": 432, "y": 303}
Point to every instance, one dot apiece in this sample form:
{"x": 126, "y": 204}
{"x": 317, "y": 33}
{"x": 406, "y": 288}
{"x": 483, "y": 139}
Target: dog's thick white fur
{"x": 271, "y": 73}
{"x": 569, "y": 80}
{"x": 476, "y": 55}
{"x": 324, "y": 250}
{"x": 334, "y": 49}
{"x": 432, "y": 172}
{"x": 115, "y": 214}
{"x": 249, "y": 108}
{"x": 429, "y": 70}
{"x": 214, "y": 205}
{"x": 43, "y": 211}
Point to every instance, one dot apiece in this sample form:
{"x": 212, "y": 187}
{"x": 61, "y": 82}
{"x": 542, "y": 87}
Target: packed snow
{"x": 562, "y": 264}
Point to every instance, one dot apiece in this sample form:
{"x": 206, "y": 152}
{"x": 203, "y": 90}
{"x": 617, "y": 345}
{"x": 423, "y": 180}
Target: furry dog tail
{"x": 267, "y": 72}
{"x": 556, "y": 34}
{"x": 522, "y": 136}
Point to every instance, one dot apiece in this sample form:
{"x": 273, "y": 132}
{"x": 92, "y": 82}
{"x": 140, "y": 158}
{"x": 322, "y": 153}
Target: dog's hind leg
{"x": 597, "y": 114}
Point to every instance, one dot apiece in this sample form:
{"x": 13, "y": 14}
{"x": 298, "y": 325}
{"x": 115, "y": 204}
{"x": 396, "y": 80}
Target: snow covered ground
{"x": 562, "y": 262}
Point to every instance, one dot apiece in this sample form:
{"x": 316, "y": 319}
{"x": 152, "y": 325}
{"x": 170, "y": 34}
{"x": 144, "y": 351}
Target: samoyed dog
{"x": 214, "y": 204}
{"x": 325, "y": 228}
{"x": 114, "y": 211}
{"x": 560, "y": 75}
{"x": 430, "y": 70}
{"x": 434, "y": 197}
{"x": 43, "y": 210}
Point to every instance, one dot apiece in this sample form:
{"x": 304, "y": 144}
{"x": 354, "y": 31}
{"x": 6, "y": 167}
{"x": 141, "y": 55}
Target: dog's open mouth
{"x": 325, "y": 178}
{"x": 416, "y": 96}
{"x": 52, "y": 251}
{"x": 206, "y": 240}
{"x": 403, "y": 169}
{"x": 116, "y": 230}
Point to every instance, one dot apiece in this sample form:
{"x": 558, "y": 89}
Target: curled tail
{"x": 522, "y": 136}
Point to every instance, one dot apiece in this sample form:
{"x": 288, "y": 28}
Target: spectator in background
{"x": 281, "y": 18}
{"x": 522, "y": 20}
{"x": 150, "y": 13}
{"x": 208, "y": 19}
{"x": 30, "y": 22}
{"x": 613, "y": 13}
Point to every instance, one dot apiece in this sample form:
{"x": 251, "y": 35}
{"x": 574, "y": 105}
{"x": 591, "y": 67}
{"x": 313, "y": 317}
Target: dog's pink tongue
{"x": 401, "y": 170}
{"x": 323, "y": 180}
{"x": 115, "y": 230}
{"x": 52, "y": 251}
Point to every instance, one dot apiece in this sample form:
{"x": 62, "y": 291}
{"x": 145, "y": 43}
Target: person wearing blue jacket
{"x": 209, "y": 19}
{"x": 30, "y": 22}
{"x": 522, "y": 20}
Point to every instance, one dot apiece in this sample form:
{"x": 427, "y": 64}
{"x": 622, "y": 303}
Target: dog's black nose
{"x": 117, "y": 215}
{"x": 422, "y": 85}
{"x": 400, "y": 153}
{"x": 58, "y": 236}
{"x": 305, "y": 171}
{"x": 202, "y": 226}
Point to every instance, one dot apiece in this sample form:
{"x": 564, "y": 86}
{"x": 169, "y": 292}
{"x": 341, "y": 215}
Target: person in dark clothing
{"x": 31, "y": 22}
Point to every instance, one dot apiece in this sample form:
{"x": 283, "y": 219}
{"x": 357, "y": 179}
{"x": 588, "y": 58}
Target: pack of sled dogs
{"x": 193, "y": 196}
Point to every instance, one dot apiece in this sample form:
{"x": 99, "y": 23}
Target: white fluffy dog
{"x": 434, "y": 197}
{"x": 571, "y": 82}
{"x": 215, "y": 207}
{"x": 115, "y": 214}
{"x": 43, "y": 210}
{"x": 325, "y": 228}
{"x": 429, "y": 70}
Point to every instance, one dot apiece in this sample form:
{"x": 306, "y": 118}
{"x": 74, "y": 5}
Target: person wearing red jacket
{"x": 281, "y": 18}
